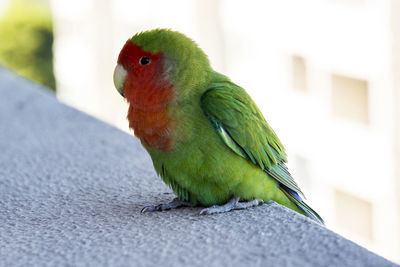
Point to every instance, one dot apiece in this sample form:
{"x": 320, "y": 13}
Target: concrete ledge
{"x": 71, "y": 190}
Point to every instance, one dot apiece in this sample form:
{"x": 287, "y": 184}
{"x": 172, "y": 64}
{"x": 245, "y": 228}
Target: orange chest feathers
{"x": 148, "y": 114}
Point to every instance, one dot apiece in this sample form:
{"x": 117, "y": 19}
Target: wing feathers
{"x": 243, "y": 128}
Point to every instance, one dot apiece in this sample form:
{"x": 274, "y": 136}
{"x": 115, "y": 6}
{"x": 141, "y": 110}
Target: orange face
{"x": 140, "y": 78}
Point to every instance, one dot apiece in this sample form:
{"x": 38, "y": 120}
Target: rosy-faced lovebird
{"x": 206, "y": 137}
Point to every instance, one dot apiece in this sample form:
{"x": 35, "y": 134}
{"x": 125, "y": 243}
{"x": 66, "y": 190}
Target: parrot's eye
{"x": 144, "y": 61}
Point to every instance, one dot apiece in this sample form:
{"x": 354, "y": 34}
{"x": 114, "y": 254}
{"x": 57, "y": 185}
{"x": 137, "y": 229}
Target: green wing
{"x": 244, "y": 129}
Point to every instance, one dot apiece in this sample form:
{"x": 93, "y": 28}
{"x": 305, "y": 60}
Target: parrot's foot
{"x": 233, "y": 204}
{"x": 176, "y": 203}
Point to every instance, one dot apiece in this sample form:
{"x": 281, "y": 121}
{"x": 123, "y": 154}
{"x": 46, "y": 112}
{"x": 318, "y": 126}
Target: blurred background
{"x": 325, "y": 73}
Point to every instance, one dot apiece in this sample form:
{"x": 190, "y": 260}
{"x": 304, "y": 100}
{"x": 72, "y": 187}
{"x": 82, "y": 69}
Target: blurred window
{"x": 350, "y": 98}
{"x": 354, "y": 214}
{"x": 299, "y": 74}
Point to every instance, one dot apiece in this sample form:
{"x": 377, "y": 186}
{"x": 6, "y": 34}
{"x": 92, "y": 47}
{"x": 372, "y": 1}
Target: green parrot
{"x": 207, "y": 139}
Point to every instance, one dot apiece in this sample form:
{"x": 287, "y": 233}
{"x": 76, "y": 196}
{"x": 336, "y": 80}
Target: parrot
{"x": 207, "y": 139}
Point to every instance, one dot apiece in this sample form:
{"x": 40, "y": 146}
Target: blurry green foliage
{"x": 26, "y": 42}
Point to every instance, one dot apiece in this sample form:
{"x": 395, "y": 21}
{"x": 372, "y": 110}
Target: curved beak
{"x": 119, "y": 78}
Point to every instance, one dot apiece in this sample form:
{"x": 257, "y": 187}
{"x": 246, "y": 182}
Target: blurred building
{"x": 326, "y": 74}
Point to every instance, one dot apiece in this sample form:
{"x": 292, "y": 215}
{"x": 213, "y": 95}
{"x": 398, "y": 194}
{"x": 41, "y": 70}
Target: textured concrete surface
{"x": 71, "y": 190}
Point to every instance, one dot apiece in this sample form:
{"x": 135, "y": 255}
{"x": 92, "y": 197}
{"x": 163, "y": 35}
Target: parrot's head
{"x": 156, "y": 66}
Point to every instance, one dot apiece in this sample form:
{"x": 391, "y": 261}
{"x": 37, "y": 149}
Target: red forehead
{"x": 131, "y": 53}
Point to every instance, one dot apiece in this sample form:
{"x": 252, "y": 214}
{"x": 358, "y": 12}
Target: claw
{"x": 150, "y": 208}
{"x": 176, "y": 203}
{"x": 204, "y": 211}
{"x": 144, "y": 210}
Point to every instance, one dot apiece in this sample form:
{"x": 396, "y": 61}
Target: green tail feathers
{"x": 296, "y": 199}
